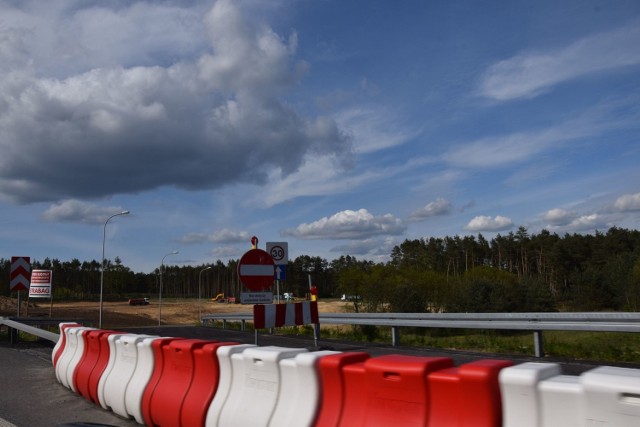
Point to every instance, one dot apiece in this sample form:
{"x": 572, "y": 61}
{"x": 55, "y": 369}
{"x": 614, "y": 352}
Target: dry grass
{"x": 121, "y": 314}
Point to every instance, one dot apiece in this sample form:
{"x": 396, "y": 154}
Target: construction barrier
{"x": 290, "y": 314}
{"x": 165, "y": 381}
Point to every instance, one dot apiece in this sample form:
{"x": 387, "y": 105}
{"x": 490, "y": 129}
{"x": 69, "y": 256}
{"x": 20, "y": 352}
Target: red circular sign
{"x": 256, "y": 270}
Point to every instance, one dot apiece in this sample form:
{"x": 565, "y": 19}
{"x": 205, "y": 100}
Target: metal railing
{"x": 38, "y": 332}
{"x": 536, "y": 322}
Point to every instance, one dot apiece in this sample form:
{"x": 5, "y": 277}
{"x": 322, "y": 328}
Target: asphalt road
{"x": 30, "y": 395}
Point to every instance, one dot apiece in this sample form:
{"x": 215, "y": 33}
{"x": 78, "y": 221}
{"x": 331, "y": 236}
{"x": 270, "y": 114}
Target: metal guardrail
{"x": 536, "y": 322}
{"x": 41, "y": 333}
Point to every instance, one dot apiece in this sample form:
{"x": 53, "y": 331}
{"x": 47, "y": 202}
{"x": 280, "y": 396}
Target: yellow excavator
{"x": 218, "y": 298}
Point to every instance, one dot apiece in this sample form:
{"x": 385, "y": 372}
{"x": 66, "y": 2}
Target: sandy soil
{"x": 121, "y": 314}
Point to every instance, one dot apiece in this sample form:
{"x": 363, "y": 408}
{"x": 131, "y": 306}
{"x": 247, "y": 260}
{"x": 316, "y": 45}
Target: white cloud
{"x": 559, "y": 216}
{"x": 628, "y": 202}
{"x": 518, "y": 147}
{"x": 530, "y": 74}
{"x": 223, "y": 252}
{"x": 77, "y": 211}
{"x": 587, "y": 222}
{"x": 379, "y": 249}
{"x": 205, "y": 117}
{"x": 229, "y": 236}
{"x": 486, "y": 223}
{"x": 221, "y": 236}
{"x": 373, "y": 128}
{"x": 438, "y": 207}
{"x": 358, "y": 247}
{"x": 349, "y": 224}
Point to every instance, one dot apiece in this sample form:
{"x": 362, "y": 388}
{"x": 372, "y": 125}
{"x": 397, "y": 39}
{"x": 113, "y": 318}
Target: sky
{"x": 342, "y": 127}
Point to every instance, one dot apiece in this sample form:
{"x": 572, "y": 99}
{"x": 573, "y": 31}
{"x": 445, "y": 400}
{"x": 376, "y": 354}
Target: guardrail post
{"x": 538, "y": 343}
{"x": 316, "y": 333}
{"x": 394, "y": 336}
{"x": 224, "y": 323}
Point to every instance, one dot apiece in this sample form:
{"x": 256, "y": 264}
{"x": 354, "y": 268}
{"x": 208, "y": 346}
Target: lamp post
{"x": 200, "y": 291}
{"x": 160, "y": 294}
{"x": 104, "y": 235}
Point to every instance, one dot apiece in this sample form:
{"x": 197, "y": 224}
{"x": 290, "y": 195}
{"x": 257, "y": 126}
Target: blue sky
{"x": 340, "y": 127}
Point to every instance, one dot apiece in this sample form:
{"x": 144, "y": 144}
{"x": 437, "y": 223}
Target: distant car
{"x": 138, "y": 301}
{"x": 350, "y": 297}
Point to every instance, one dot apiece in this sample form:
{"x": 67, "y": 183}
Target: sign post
{"x": 41, "y": 282}
{"x": 279, "y": 251}
{"x": 20, "y": 275}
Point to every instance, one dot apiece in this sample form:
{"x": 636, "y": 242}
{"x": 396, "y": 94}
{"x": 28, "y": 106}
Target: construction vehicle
{"x": 219, "y": 298}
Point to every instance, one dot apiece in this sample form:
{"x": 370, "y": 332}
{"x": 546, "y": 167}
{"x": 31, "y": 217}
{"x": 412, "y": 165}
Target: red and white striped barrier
{"x": 188, "y": 382}
{"x": 290, "y": 314}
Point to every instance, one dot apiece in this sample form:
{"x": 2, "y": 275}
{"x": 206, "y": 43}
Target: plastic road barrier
{"x": 258, "y": 382}
{"x": 332, "y": 386}
{"x": 467, "y": 396}
{"x": 163, "y": 381}
{"x": 299, "y": 390}
{"x": 224, "y": 382}
{"x": 59, "y": 347}
{"x": 519, "y": 389}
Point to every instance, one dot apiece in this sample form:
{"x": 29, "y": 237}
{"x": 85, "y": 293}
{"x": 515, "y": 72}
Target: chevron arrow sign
{"x": 20, "y": 273}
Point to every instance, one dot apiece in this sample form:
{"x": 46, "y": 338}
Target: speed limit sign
{"x": 279, "y": 251}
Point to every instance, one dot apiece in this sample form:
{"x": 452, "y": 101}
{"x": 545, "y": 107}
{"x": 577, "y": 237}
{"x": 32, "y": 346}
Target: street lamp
{"x": 160, "y": 294}
{"x": 104, "y": 235}
{"x": 200, "y": 291}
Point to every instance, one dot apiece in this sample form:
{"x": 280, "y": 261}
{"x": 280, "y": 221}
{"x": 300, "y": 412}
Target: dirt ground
{"x": 121, "y": 314}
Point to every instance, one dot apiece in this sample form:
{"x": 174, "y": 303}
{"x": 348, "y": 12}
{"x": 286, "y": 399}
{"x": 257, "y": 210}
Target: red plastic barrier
{"x": 467, "y": 396}
{"x": 158, "y": 367}
{"x": 59, "y": 348}
{"x": 389, "y": 390}
{"x": 100, "y": 366}
{"x": 206, "y": 373}
{"x": 165, "y": 401}
{"x": 333, "y": 387}
{"x": 354, "y": 404}
{"x": 82, "y": 374}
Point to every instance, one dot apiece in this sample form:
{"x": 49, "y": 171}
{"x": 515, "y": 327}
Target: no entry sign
{"x": 256, "y": 270}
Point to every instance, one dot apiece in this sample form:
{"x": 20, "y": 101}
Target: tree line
{"x": 510, "y": 273}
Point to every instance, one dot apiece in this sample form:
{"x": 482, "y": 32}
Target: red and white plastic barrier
{"x": 289, "y": 314}
{"x": 163, "y": 381}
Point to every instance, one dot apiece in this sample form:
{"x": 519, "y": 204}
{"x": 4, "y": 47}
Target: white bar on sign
{"x": 256, "y": 270}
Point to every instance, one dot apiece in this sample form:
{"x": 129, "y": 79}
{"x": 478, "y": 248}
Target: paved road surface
{"x": 30, "y": 395}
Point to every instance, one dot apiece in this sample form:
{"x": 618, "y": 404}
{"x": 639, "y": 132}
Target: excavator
{"x": 219, "y": 298}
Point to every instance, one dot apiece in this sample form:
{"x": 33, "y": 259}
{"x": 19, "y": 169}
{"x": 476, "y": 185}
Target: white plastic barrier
{"x": 62, "y": 326}
{"x": 140, "y": 378}
{"x": 73, "y": 336}
{"x": 125, "y": 357}
{"x": 224, "y": 381}
{"x": 612, "y": 396}
{"x": 562, "y": 401}
{"x": 519, "y": 391}
{"x": 300, "y": 392}
{"x": 111, "y": 339}
{"x": 255, "y": 384}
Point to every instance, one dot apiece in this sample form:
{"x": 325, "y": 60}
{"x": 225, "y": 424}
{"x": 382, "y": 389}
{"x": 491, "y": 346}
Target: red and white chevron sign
{"x": 291, "y": 314}
{"x": 20, "y": 273}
